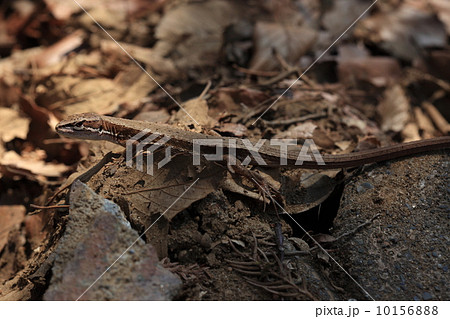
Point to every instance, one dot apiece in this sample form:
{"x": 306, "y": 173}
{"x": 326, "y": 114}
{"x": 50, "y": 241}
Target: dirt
{"x": 401, "y": 255}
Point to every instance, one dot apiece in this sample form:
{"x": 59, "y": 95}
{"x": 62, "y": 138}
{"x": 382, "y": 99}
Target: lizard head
{"x": 84, "y": 126}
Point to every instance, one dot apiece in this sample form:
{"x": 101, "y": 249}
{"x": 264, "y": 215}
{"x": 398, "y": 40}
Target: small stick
{"x": 86, "y": 175}
{"x": 297, "y": 119}
{"x": 440, "y": 122}
{"x": 47, "y": 207}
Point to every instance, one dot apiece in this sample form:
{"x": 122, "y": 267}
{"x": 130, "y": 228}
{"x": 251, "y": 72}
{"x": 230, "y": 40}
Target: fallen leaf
{"x": 195, "y": 109}
{"x": 424, "y": 122}
{"x": 324, "y": 238}
{"x": 158, "y": 193}
{"x": 410, "y": 133}
{"x": 190, "y": 34}
{"x": 442, "y": 10}
{"x": 35, "y": 166}
{"x": 56, "y": 52}
{"x": 12, "y": 125}
{"x": 367, "y": 143}
{"x": 301, "y": 131}
{"x": 290, "y": 42}
{"x": 354, "y": 67}
{"x": 234, "y": 129}
{"x": 394, "y": 109}
{"x": 304, "y": 190}
{"x": 74, "y": 94}
{"x": 405, "y": 31}
{"x": 238, "y": 242}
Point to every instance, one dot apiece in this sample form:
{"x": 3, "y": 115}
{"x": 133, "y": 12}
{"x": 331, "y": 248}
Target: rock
{"x": 364, "y": 187}
{"x": 100, "y": 257}
{"x": 395, "y": 269}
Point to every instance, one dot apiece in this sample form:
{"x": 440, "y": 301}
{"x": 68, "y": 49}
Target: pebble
{"x": 427, "y": 296}
{"x": 364, "y": 187}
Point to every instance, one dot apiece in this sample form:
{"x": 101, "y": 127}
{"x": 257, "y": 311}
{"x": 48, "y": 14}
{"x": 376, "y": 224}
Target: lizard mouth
{"x": 63, "y": 130}
{"x": 74, "y": 132}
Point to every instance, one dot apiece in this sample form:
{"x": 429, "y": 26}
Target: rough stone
{"x": 100, "y": 257}
{"x": 406, "y": 268}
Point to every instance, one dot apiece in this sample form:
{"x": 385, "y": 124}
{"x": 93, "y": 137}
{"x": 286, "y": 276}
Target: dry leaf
{"x": 56, "y": 52}
{"x": 404, "y": 32}
{"x": 195, "y": 109}
{"x": 35, "y": 166}
{"x": 367, "y": 143}
{"x": 304, "y": 190}
{"x": 299, "y": 243}
{"x": 324, "y": 238}
{"x": 157, "y": 194}
{"x": 191, "y": 34}
{"x": 234, "y": 129}
{"x": 442, "y": 9}
{"x": 290, "y": 42}
{"x": 12, "y": 125}
{"x": 98, "y": 95}
{"x": 301, "y": 131}
{"x": 379, "y": 71}
{"x": 322, "y": 139}
{"x": 411, "y": 133}
{"x": 394, "y": 109}
{"x": 424, "y": 122}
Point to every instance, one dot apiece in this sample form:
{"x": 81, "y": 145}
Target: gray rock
{"x": 100, "y": 257}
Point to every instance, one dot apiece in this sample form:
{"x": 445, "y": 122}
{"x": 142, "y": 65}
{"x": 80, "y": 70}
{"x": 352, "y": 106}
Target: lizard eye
{"x": 79, "y": 125}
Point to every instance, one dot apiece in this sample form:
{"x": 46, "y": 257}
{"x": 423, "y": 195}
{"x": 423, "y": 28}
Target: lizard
{"x": 91, "y": 126}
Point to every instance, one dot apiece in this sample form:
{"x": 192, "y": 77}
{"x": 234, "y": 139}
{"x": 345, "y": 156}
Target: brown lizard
{"x": 92, "y": 126}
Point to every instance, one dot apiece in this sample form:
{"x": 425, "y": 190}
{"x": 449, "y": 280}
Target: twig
{"x": 296, "y": 119}
{"x": 255, "y": 72}
{"x": 357, "y": 228}
{"x": 47, "y": 207}
{"x": 86, "y": 176}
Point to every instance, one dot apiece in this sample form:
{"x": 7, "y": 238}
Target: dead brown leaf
{"x": 404, "y": 32}
{"x": 74, "y": 94}
{"x": 33, "y": 164}
{"x": 12, "y": 125}
{"x": 301, "y": 131}
{"x": 191, "y": 33}
{"x": 424, "y": 122}
{"x": 195, "y": 109}
{"x": 233, "y": 129}
{"x": 394, "y": 109}
{"x": 442, "y": 10}
{"x": 290, "y": 42}
{"x": 304, "y": 190}
{"x": 355, "y": 66}
{"x": 151, "y": 195}
{"x": 56, "y": 52}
